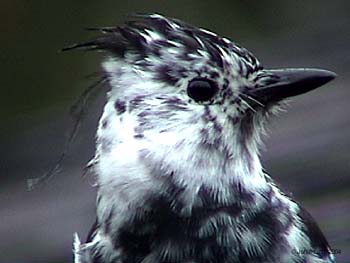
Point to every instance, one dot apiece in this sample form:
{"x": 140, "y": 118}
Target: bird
{"x": 177, "y": 161}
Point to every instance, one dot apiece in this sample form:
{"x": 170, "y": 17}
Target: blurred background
{"x": 307, "y": 150}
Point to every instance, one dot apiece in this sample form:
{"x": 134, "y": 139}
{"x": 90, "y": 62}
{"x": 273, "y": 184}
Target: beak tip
{"x": 325, "y": 75}
{"x": 318, "y": 77}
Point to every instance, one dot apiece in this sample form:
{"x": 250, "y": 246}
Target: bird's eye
{"x": 201, "y": 89}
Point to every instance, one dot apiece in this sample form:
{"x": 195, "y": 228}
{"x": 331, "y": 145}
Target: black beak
{"x": 279, "y": 84}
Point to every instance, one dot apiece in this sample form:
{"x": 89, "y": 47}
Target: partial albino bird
{"x": 177, "y": 153}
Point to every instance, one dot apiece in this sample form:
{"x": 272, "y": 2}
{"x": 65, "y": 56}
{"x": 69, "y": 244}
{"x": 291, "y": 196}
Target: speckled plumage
{"x": 181, "y": 180}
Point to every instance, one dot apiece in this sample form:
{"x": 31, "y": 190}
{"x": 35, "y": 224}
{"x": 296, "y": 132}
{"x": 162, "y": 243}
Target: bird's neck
{"x": 194, "y": 164}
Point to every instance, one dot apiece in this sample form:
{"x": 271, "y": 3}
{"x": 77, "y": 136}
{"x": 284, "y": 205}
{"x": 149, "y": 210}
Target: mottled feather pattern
{"x": 180, "y": 180}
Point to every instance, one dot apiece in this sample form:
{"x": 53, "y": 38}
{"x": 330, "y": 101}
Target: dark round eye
{"x": 201, "y": 89}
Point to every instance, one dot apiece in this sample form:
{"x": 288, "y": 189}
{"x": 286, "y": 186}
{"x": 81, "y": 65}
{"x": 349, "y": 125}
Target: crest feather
{"x": 145, "y": 35}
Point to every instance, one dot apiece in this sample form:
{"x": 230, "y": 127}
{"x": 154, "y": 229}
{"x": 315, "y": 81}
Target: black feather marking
{"x": 165, "y": 73}
{"x": 215, "y": 54}
{"x": 158, "y": 23}
{"x": 88, "y": 45}
{"x": 120, "y": 106}
{"x": 133, "y": 39}
{"x": 312, "y": 230}
{"x": 110, "y": 29}
{"x": 92, "y": 231}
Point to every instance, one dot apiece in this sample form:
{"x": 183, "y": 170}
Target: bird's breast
{"x": 160, "y": 231}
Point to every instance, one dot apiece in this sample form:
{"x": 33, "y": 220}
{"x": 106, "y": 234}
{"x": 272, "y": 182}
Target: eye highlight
{"x": 201, "y": 89}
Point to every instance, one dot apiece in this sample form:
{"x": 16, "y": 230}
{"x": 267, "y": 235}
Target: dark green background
{"x": 307, "y": 150}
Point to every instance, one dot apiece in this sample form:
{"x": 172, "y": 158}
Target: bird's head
{"x": 187, "y": 90}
